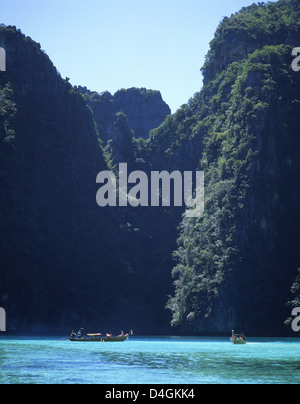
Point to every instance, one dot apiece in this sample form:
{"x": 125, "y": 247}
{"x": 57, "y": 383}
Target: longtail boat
{"x": 238, "y": 339}
{"x": 88, "y": 338}
{"x": 98, "y": 337}
{"x": 120, "y": 338}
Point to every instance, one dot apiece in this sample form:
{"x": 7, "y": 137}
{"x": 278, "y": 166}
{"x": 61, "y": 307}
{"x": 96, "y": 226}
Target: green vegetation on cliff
{"x": 236, "y": 263}
{"x": 65, "y": 262}
{"x": 295, "y": 292}
{"x": 250, "y": 29}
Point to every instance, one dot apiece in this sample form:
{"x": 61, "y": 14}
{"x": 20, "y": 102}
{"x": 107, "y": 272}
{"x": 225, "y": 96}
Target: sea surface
{"x": 165, "y": 360}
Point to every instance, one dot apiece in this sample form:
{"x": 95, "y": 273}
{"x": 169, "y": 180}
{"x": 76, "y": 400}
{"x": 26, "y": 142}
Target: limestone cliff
{"x": 145, "y": 110}
{"x": 250, "y": 29}
{"x": 49, "y": 221}
{"x": 66, "y": 262}
{"x": 237, "y": 263}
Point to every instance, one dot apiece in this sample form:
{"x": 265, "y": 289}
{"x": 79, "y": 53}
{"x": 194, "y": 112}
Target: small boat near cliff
{"x": 120, "y": 338}
{"x": 238, "y": 339}
{"x": 98, "y": 337}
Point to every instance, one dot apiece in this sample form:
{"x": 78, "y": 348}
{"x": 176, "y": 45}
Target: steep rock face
{"x": 49, "y": 159}
{"x": 145, "y": 110}
{"x": 64, "y": 261}
{"x": 237, "y": 263}
{"x": 250, "y": 29}
{"x": 176, "y": 144}
{"x": 122, "y": 141}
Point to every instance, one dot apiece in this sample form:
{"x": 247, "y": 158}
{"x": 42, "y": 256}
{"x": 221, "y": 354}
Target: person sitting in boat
{"x": 122, "y": 334}
{"x": 243, "y": 336}
{"x": 73, "y": 334}
{"x": 109, "y": 335}
{"x": 80, "y": 333}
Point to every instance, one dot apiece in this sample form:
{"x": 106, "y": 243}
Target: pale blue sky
{"x": 113, "y": 44}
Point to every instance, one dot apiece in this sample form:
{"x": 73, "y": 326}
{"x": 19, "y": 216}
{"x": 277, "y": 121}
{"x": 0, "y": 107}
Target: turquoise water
{"x": 149, "y": 361}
